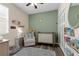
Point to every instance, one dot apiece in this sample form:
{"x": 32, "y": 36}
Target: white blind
{"x": 4, "y": 21}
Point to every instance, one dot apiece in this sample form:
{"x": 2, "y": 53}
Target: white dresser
{"x": 4, "y": 47}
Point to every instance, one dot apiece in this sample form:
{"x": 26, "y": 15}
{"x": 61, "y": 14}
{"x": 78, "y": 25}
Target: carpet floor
{"x": 32, "y": 51}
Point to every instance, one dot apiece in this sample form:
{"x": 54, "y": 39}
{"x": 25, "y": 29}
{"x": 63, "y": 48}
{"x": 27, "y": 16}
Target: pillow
{"x": 30, "y": 35}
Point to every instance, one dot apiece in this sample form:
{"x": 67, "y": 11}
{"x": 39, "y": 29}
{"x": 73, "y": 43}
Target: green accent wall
{"x": 44, "y": 22}
{"x": 74, "y": 15}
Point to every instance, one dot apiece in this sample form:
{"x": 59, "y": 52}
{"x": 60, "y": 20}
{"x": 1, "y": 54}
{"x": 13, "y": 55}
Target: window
{"x": 4, "y": 20}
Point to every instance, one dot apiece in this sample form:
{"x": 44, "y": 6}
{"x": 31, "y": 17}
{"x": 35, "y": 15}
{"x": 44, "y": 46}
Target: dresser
{"x": 4, "y": 47}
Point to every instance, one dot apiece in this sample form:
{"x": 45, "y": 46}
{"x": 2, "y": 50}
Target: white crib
{"x": 46, "y": 37}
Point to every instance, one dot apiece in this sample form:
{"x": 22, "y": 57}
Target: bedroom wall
{"x": 15, "y": 14}
{"x": 44, "y": 22}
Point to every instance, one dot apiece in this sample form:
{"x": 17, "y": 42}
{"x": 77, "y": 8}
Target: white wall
{"x": 15, "y": 14}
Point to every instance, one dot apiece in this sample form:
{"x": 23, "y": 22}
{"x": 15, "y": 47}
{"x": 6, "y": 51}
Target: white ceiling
{"x": 41, "y": 7}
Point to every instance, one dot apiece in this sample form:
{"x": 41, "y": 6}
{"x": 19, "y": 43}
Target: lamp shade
{"x": 19, "y": 30}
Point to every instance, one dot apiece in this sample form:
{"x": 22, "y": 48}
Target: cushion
{"x": 30, "y": 35}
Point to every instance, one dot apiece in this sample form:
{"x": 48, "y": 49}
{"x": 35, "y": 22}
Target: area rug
{"x": 32, "y": 51}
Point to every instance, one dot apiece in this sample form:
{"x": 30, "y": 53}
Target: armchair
{"x": 29, "y": 39}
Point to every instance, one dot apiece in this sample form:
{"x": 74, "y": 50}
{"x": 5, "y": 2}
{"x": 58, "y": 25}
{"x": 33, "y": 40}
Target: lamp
{"x": 19, "y": 31}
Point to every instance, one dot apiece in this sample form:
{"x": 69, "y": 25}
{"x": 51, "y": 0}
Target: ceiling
{"x": 41, "y": 7}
